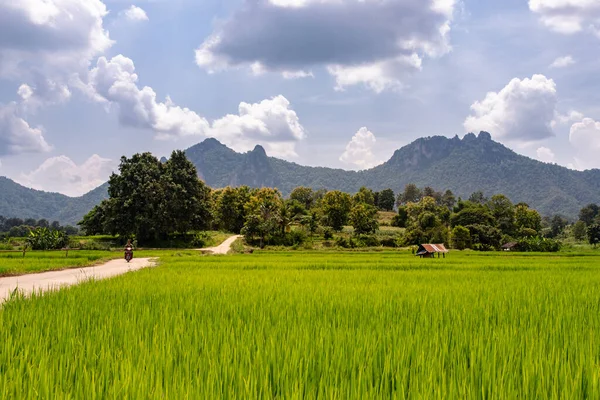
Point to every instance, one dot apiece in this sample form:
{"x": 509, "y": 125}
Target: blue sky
{"x": 340, "y": 83}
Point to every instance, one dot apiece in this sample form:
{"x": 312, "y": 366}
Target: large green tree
{"x": 363, "y": 218}
{"x": 386, "y": 200}
{"x": 527, "y": 219}
{"x": 593, "y": 234}
{"x": 336, "y": 207}
{"x": 365, "y": 196}
{"x": 589, "y": 213}
{"x": 504, "y": 212}
{"x": 186, "y": 202}
{"x": 263, "y": 215}
{"x": 304, "y": 195}
{"x": 411, "y": 194}
{"x": 229, "y": 208}
{"x": 150, "y": 199}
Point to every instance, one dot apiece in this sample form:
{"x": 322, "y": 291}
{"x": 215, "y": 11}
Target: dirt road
{"x": 55, "y": 279}
{"x": 224, "y": 247}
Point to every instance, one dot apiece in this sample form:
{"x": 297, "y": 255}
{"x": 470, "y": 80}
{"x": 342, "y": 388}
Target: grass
{"x": 307, "y": 325}
{"x": 38, "y": 261}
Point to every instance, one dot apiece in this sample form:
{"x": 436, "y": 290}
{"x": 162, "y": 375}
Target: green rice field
{"x": 15, "y": 264}
{"x": 314, "y": 325}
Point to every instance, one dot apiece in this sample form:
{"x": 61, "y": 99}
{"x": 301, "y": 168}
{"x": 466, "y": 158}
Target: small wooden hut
{"x": 511, "y": 246}
{"x": 430, "y": 250}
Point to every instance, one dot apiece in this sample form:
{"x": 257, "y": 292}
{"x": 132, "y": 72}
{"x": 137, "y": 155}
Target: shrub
{"x": 461, "y": 237}
{"x": 539, "y": 244}
{"x": 296, "y": 237}
{"x": 389, "y": 242}
{"x": 47, "y": 239}
{"x": 367, "y": 241}
{"x": 328, "y": 233}
{"x": 200, "y": 239}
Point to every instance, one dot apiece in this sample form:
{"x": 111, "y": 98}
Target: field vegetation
{"x": 307, "y": 325}
{"x": 14, "y": 263}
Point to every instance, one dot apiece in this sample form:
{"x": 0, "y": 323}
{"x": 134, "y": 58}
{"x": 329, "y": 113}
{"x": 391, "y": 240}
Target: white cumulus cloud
{"x": 562, "y": 62}
{"x": 54, "y": 38}
{"x": 359, "y": 151}
{"x": 568, "y": 16}
{"x": 585, "y": 138}
{"x": 270, "y": 122}
{"x": 341, "y": 36}
{"x": 16, "y": 135}
{"x": 523, "y": 111}
{"x": 115, "y": 82}
{"x": 61, "y": 174}
{"x": 135, "y": 13}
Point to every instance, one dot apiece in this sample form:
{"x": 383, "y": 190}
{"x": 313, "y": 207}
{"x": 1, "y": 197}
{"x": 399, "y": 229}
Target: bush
{"x": 367, "y": 241}
{"x": 539, "y": 244}
{"x": 46, "y": 239}
{"x": 345, "y": 243}
{"x": 296, "y": 237}
{"x": 328, "y": 233}
{"x": 482, "y": 247}
{"x": 389, "y": 242}
{"x": 200, "y": 239}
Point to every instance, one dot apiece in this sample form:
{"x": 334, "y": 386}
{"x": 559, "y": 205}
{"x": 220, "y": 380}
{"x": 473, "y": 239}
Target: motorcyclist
{"x": 128, "y": 249}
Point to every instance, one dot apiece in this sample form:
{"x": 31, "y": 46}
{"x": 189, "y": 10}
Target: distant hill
{"x": 462, "y": 165}
{"x": 22, "y": 202}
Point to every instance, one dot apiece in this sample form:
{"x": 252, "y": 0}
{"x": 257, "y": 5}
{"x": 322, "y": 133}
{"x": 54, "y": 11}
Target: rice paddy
{"x": 314, "y": 325}
{"x": 15, "y": 263}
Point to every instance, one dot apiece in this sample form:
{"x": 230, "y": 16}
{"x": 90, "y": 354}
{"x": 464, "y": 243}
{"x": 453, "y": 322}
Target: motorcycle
{"x": 128, "y": 253}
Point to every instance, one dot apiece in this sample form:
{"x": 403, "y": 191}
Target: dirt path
{"x": 224, "y": 247}
{"x": 55, "y": 279}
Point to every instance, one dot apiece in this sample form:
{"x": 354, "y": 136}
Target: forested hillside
{"x": 22, "y": 202}
{"x": 474, "y": 163}
{"x": 464, "y": 166}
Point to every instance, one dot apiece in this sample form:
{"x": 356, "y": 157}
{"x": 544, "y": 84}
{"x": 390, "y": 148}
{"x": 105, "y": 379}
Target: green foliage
{"x": 47, "y": 239}
{"x": 504, "y": 213}
{"x": 151, "y": 200}
{"x": 472, "y": 214}
{"x": 200, "y": 239}
{"x": 485, "y": 237}
{"x": 263, "y": 215}
{"x": 593, "y": 234}
{"x": 411, "y": 194}
{"x": 327, "y": 233}
{"x": 448, "y": 199}
{"x": 39, "y": 261}
{"x": 365, "y": 196}
{"x": 557, "y": 226}
{"x": 363, "y": 218}
{"x": 336, "y": 207}
{"x": 229, "y": 208}
{"x": 589, "y": 213}
{"x": 538, "y": 244}
{"x": 458, "y": 328}
{"x": 579, "y": 231}
{"x": 461, "y": 237}
{"x": 304, "y": 195}
{"x": 386, "y": 200}
{"x": 401, "y": 218}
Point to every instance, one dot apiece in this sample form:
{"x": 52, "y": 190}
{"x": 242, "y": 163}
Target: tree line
{"x": 18, "y": 227}
{"x": 151, "y": 200}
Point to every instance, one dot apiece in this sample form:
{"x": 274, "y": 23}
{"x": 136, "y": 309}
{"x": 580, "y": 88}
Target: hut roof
{"x": 432, "y": 248}
{"x": 509, "y": 245}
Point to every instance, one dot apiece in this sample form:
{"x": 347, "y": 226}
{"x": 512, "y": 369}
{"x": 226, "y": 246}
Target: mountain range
{"x": 462, "y": 165}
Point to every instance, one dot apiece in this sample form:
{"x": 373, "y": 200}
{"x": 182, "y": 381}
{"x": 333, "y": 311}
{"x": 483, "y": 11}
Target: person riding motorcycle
{"x": 128, "y": 251}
